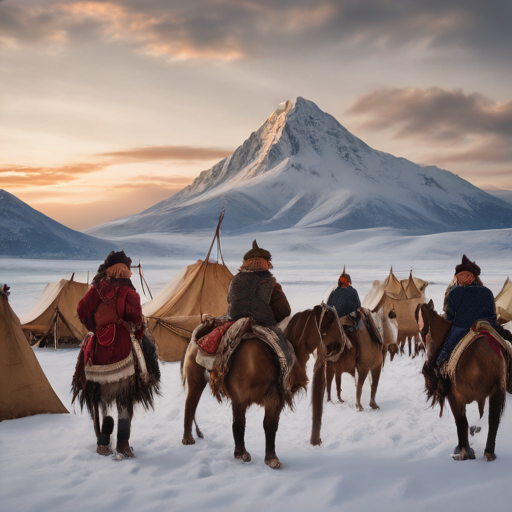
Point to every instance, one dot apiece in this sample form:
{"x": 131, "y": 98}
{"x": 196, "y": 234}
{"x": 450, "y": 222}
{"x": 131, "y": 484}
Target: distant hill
{"x": 27, "y": 233}
{"x": 302, "y": 168}
{"x": 504, "y": 195}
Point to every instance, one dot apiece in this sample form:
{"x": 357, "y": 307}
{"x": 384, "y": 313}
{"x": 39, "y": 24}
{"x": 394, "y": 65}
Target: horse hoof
{"x": 360, "y": 408}
{"x": 374, "y": 406}
{"x": 245, "y": 457}
{"x": 274, "y": 463}
{"x": 489, "y": 456}
{"x": 187, "y": 440}
{"x": 103, "y": 450}
{"x": 315, "y": 441}
{"x": 463, "y": 454}
{"x": 341, "y": 400}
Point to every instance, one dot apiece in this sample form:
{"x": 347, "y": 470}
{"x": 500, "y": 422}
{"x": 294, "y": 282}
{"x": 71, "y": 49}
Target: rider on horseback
{"x": 466, "y": 302}
{"x": 255, "y": 292}
{"x": 344, "y": 298}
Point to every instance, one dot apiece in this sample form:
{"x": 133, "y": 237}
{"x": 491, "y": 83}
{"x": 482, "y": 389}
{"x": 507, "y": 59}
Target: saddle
{"x": 361, "y": 319}
{"x": 230, "y": 334}
{"x": 496, "y": 342}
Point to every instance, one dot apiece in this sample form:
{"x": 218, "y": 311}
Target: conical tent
{"x": 402, "y": 297}
{"x": 199, "y": 288}
{"x": 54, "y": 316}
{"x": 504, "y": 302}
{"x": 24, "y": 388}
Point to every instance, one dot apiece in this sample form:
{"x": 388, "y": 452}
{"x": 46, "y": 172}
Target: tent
{"x": 24, "y": 388}
{"x": 402, "y": 297}
{"x": 54, "y": 316}
{"x": 199, "y": 288}
{"x": 504, "y": 303}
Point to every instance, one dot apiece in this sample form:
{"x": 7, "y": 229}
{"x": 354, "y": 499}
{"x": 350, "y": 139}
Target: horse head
{"x": 433, "y": 329}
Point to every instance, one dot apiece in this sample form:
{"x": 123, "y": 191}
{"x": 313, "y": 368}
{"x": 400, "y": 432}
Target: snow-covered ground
{"x": 393, "y": 459}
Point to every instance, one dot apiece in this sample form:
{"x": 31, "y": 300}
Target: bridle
{"x": 335, "y": 354}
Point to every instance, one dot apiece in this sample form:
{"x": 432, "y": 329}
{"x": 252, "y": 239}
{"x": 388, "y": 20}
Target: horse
{"x": 362, "y": 354}
{"x": 253, "y": 377}
{"x": 346, "y": 363}
{"x": 480, "y": 374}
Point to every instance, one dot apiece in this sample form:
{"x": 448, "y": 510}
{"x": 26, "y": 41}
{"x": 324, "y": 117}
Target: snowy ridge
{"x": 304, "y": 169}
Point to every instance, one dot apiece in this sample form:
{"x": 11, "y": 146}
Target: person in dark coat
{"x": 344, "y": 298}
{"x": 467, "y": 302}
{"x": 254, "y": 292}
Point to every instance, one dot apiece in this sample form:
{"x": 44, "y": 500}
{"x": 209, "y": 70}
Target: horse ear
{"x": 417, "y": 312}
{"x": 318, "y": 311}
{"x": 431, "y": 304}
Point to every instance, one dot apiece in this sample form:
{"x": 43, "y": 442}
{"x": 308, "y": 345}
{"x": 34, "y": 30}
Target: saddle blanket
{"x": 481, "y": 328}
{"x": 234, "y": 333}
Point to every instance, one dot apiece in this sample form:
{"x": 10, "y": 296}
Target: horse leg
{"x": 361, "y": 377}
{"x": 496, "y": 405}
{"x": 338, "y": 383}
{"x": 124, "y": 422}
{"x": 462, "y": 450}
{"x": 317, "y": 403}
{"x": 329, "y": 375}
{"x": 375, "y": 384}
{"x": 196, "y": 384}
{"x": 239, "y": 431}
{"x": 409, "y": 342}
{"x": 270, "y": 425}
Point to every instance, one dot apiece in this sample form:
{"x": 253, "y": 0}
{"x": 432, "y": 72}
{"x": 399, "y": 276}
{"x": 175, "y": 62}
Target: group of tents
{"x": 199, "y": 288}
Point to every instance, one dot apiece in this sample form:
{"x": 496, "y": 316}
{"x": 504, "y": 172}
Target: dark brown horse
{"x": 254, "y": 375}
{"x": 480, "y": 374}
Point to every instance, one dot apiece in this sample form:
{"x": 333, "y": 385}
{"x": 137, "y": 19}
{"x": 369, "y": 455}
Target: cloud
{"x": 234, "y": 29}
{"x": 459, "y": 128}
{"x": 184, "y": 153}
{"x": 19, "y": 176}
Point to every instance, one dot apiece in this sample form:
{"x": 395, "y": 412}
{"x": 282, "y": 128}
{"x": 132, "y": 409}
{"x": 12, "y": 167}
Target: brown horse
{"x": 347, "y": 362}
{"x": 480, "y": 373}
{"x": 361, "y": 354}
{"x": 253, "y": 378}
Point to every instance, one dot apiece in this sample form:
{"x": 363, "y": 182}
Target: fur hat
{"x": 112, "y": 259}
{"x": 344, "y": 278}
{"x": 257, "y": 252}
{"x": 469, "y": 266}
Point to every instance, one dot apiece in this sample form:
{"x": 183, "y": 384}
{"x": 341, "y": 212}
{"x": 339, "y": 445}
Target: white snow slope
{"x": 392, "y": 460}
{"x": 304, "y": 169}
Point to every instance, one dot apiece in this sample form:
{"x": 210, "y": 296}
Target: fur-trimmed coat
{"x": 106, "y": 310}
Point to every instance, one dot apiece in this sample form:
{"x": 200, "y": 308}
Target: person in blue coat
{"x": 344, "y": 298}
{"x": 467, "y": 302}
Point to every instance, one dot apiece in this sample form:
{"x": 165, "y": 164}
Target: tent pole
{"x": 55, "y": 327}
{"x": 217, "y": 232}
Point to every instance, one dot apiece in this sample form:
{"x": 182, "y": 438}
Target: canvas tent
{"x": 402, "y": 297}
{"x": 54, "y": 315}
{"x": 504, "y": 303}
{"x": 24, "y": 388}
{"x": 199, "y": 288}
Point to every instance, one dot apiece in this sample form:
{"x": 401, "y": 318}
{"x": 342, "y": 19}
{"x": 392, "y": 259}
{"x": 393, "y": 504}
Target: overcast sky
{"x": 109, "y": 107}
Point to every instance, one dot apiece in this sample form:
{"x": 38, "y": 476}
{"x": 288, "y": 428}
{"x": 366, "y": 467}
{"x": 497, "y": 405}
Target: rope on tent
{"x": 182, "y": 333}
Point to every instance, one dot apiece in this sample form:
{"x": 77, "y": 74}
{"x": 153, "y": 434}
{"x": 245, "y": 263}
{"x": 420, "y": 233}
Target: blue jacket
{"x": 465, "y": 305}
{"x": 344, "y": 300}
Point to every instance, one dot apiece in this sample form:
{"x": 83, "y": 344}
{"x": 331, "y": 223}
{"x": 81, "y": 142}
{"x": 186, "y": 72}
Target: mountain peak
{"x": 303, "y": 168}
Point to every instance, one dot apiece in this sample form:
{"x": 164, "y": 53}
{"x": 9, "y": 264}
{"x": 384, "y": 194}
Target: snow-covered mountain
{"x": 303, "y": 169}
{"x": 27, "y": 233}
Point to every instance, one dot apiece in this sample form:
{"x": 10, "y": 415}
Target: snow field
{"x": 396, "y": 458}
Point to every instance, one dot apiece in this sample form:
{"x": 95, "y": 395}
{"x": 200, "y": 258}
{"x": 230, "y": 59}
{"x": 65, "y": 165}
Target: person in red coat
{"x": 112, "y": 312}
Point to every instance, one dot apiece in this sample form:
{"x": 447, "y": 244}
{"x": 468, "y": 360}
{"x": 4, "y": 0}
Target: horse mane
{"x": 299, "y": 326}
